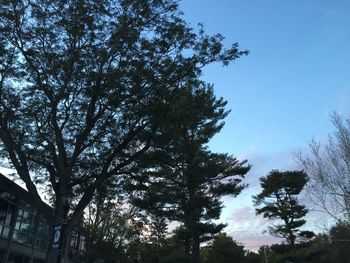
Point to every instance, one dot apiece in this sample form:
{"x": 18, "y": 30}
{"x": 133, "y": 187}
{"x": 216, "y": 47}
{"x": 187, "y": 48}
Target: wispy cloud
{"x": 250, "y": 229}
{"x": 263, "y": 163}
{"x": 330, "y": 12}
{"x": 253, "y": 241}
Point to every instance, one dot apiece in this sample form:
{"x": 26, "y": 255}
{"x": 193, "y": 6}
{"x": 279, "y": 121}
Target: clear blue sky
{"x": 280, "y": 95}
{"x": 297, "y": 72}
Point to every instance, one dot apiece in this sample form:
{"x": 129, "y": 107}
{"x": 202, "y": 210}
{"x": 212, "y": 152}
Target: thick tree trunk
{"x": 193, "y": 220}
{"x": 50, "y": 256}
{"x": 292, "y": 242}
{"x": 196, "y": 249}
{"x": 61, "y": 219}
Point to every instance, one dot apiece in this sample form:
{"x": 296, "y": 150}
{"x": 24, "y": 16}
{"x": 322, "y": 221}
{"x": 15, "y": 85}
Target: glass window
{"x": 19, "y": 219}
{"x": 77, "y": 246}
{"x": 6, "y": 213}
{"x": 42, "y": 236}
{"x": 26, "y": 218}
{"x": 25, "y": 225}
{"x": 73, "y": 242}
{"x": 82, "y": 245}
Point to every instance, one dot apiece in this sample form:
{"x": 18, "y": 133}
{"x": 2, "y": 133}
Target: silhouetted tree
{"x": 111, "y": 224}
{"x": 340, "y": 236}
{"x": 225, "y": 250}
{"x": 85, "y": 86}
{"x": 279, "y": 201}
{"x": 318, "y": 250}
{"x": 185, "y": 180}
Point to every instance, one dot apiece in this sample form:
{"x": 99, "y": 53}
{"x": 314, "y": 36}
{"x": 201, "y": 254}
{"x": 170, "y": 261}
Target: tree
{"x": 340, "y": 235}
{"x": 85, "y": 86}
{"x": 279, "y": 199}
{"x": 112, "y": 224}
{"x": 181, "y": 179}
{"x": 225, "y": 250}
{"x": 329, "y": 169}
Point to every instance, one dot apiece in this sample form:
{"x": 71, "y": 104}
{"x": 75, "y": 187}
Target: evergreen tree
{"x": 85, "y": 87}
{"x": 225, "y": 250}
{"x": 182, "y": 179}
{"x": 279, "y": 199}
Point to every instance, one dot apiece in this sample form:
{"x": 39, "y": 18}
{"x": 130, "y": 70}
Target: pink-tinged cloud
{"x": 249, "y": 229}
{"x": 253, "y": 241}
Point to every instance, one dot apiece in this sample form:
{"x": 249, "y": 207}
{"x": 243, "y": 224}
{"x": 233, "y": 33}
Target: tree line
{"x": 278, "y": 201}
{"x": 104, "y": 101}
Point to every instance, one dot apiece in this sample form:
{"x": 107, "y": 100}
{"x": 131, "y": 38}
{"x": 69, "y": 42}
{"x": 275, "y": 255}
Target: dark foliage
{"x": 181, "y": 179}
{"x": 85, "y": 87}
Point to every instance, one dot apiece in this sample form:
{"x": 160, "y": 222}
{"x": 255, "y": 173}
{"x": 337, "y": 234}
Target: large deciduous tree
{"x": 328, "y": 166}
{"x": 85, "y": 87}
{"x": 279, "y": 201}
{"x": 182, "y": 179}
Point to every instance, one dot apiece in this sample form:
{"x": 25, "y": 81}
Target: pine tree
{"x": 279, "y": 199}
{"x": 182, "y": 179}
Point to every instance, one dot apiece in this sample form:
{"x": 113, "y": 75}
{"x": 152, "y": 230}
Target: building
{"x": 24, "y": 233}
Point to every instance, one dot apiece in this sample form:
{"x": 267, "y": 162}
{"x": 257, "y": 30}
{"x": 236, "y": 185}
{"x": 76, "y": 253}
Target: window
{"x": 42, "y": 236}
{"x": 73, "y": 243}
{"x": 82, "y": 245}
{"x": 7, "y": 205}
{"x": 26, "y": 222}
{"x": 77, "y": 246}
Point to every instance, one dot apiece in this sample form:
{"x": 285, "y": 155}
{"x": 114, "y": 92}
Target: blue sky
{"x": 281, "y": 95}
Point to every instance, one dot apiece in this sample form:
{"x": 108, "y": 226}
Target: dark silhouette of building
{"x": 24, "y": 233}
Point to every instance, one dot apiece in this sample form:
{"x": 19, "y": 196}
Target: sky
{"x": 281, "y": 94}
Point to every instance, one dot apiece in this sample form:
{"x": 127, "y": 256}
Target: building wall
{"x": 24, "y": 233}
